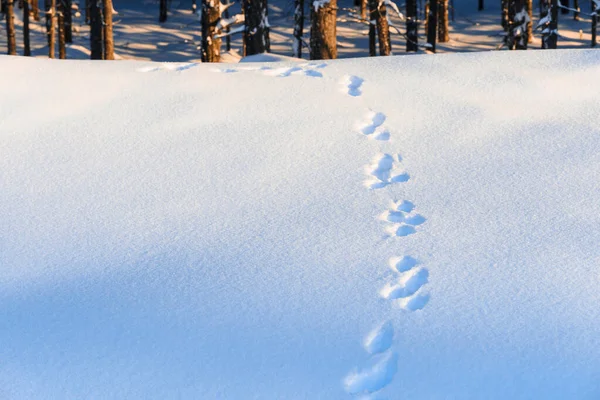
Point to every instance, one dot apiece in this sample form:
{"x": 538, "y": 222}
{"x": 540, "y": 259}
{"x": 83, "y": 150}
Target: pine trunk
{"x": 227, "y": 30}
{"x": 480, "y": 6}
{"x": 35, "y": 9}
{"x": 256, "y": 31}
{"x": 96, "y": 30}
{"x": 594, "y": 23}
{"x": 363, "y": 9}
{"x": 529, "y": 6}
{"x": 383, "y": 30}
{"x": 11, "y": 36}
{"x": 68, "y": 21}
{"x": 443, "y": 29}
{"x": 211, "y": 46}
{"x": 553, "y": 36}
{"x": 51, "y": 26}
{"x": 412, "y": 38}
{"x": 565, "y": 3}
{"x": 323, "y": 34}
{"x": 372, "y": 28}
{"x": 298, "y": 28}
{"x": 504, "y": 5}
{"x": 26, "y": 41}
{"x": 432, "y": 24}
{"x": 109, "y": 44}
{"x": 62, "y": 50}
{"x": 162, "y": 14}
{"x": 576, "y": 13}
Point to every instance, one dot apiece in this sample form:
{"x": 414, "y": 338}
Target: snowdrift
{"x": 402, "y": 227}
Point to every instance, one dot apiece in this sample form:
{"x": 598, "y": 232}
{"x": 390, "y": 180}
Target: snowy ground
{"x": 422, "y": 227}
{"x": 138, "y": 35}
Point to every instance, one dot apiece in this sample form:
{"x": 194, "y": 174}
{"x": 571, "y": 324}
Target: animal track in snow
{"x": 379, "y": 339}
{"x": 352, "y": 85}
{"x": 374, "y": 378}
{"x": 302, "y": 69}
{"x": 374, "y": 128}
{"x": 168, "y": 67}
{"x": 414, "y": 303}
{"x": 408, "y": 284}
{"x": 403, "y": 264}
{"x": 382, "y": 172}
{"x": 403, "y": 219}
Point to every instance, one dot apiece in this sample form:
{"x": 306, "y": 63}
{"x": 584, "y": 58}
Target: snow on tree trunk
{"x": 298, "y": 28}
{"x": 211, "y": 45}
{"x": 443, "y": 29}
{"x": 62, "y": 50}
{"x": 432, "y": 24}
{"x": 9, "y": 9}
{"x": 162, "y": 13}
{"x": 26, "y": 36}
{"x": 96, "y": 30}
{"x": 323, "y": 34}
{"x": 256, "y": 31}
{"x": 550, "y": 31}
{"x": 412, "y": 38}
{"x": 109, "y": 43}
{"x": 50, "y": 26}
{"x": 518, "y": 22}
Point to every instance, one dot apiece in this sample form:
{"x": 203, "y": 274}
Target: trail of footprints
{"x": 407, "y": 289}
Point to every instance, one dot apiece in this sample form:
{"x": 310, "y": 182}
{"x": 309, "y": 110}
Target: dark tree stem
{"x": 432, "y": 24}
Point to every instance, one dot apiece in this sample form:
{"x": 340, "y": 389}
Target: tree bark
{"x": 62, "y": 50}
{"x": 256, "y": 31}
{"x": 227, "y": 30}
{"x": 35, "y": 9}
{"x": 68, "y": 20}
{"x": 363, "y": 9}
{"x": 443, "y": 29}
{"x": 529, "y": 6}
{"x": 480, "y": 6}
{"x": 323, "y": 34}
{"x": 383, "y": 31}
{"x": 594, "y": 23}
{"x": 298, "y": 28}
{"x": 162, "y": 14}
{"x": 565, "y": 3}
{"x": 96, "y": 30}
{"x": 26, "y": 36}
{"x": 550, "y": 31}
{"x": 109, "y": 43}
{"x": 11, "y": 37}
{"x": 576, "y": 13}
{"x": 432, "y": 24}
{"x": 412, "y": 38}
{"x": 51, "y": 26}
{"x": 211, "y": 46}
{"x": 504, "y": 14}
{"x": 372, "y": 28}
{"x": 517, "y": 25}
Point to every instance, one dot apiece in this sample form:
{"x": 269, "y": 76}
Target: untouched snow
{"x": 418, "y": 227}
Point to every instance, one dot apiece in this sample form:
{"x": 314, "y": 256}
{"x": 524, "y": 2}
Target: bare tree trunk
{"x": 529, "y": 7}
{"x": 256, "y": 31}
{"x": 372, "y": 27}
{"x": 443, "y": 29}
{"x": 565, "y": 3}
{"x": 518, "y": 21}
{"x": 323, "y": 33}
{"x": 432, "y": 24}
{"x": 383, "y": 30}
{"x": 594, "y": 23}
{"x": 109, "y": 44}
{"x": 480, "y": 6}
{"x": 35, "y": 9}
{"x": 298, "y": 28}
{"x": 211, "y": 46}
{"x": 363, "y": 9}
{"x": 68, "y": 21}
{"x": 62, "y": 50}
{"x": 550, "y": 30}
{"x": 504, "y": 16}
{"x": 96, "y": 30}
{"x": 162, "y": 14}
{"x": 51, "y": 26}
{"x": 9, "y": 9}
{"x": 26, "y": 41}
{"x": 576, "y": 13}
{"x": 412, "y": 38}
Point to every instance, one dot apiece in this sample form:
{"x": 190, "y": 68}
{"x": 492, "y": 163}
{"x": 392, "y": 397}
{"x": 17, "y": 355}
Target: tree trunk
{"x": 518, "y": 24}
{"x": 62, "y": 50}
{"x": 594, "y": 23}
{"x": 566, "y": 4}
{"x": 550, "y": 30}
{"x": 211, "y": 46}
{"x": 162, "y": 14}
{"x": 323, "y": 38}
{"x": 480, "y": 6}
{"x": 504, "y": 14}
{"x": 227, "y": 30}
{"x": 26, "y": 41}
{"x": 529, "y": 7}
{"x": 363, "y": 9}
{"x": 109, "y": 44}
{"x": 68, "y": 20}
{"x": 383, "y": 30}
{"x": 194, "y": 7}
{"x": 35, "y": 9}
{"x": 256, "y": 31}
{"x": 9, "y": 9}
{"x": 372, "y": 28}
{"x": 576, "y": 13}
{"x": 443, "y": 29}
{"x": 432, "y": 24}
{"x": 412, "y": 38}
{"x": 51, "y": 26}
{"x": 96, "y": 30}
{"x": 298, "y": 28}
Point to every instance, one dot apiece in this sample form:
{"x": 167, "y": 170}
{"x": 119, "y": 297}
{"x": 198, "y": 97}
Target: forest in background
{"x": 212, "y": 31}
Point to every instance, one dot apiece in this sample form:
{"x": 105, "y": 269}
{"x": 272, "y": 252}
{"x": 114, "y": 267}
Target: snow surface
{"x": 203, "y": 231}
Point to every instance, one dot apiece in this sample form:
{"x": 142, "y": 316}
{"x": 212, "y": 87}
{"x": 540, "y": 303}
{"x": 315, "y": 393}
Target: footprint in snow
{"x": 379, "y": 339}
{"x": 382, "y": 172}
{"x": 403, "y": 264}
{"x": 168, "y": 67}
{"x": 403, "y": 219}
{"x": 295, "y": 70}
{"x": 352, "y": 85}
{"x": 414, "y": 303}
{"x": 374, "y": 128}
{"x": 407, "y": 285}
{"x": 373, "y": 378}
